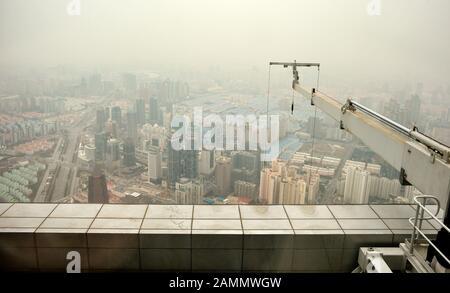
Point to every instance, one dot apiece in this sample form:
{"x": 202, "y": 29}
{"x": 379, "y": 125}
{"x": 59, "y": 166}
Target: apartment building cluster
{"x": 283, "y": 184}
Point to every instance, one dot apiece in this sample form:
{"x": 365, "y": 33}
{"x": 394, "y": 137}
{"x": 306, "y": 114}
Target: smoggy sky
{"x": 409, "y": 40}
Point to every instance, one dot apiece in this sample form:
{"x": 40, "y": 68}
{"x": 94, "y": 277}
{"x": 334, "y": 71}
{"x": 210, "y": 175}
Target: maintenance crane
{"x": 421, "y": 160}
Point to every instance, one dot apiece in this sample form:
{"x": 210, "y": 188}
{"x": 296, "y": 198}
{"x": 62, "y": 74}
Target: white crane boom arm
{"x": 422, "y": 161}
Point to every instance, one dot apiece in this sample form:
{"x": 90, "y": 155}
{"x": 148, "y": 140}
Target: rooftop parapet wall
{"x": 276, "y": 238}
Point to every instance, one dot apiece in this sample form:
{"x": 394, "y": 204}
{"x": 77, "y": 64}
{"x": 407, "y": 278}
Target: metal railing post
{"x": 413, "y": 235}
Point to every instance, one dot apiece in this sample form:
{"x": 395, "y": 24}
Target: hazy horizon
{"x": 408, "y": 42}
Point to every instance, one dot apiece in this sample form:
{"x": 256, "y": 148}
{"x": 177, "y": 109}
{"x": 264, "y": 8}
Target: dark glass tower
{"x": 97, "y": 190}
{"x": 182, "y": 163}
{"x": 116, "y": 115}
{"x": 129, "y": 155}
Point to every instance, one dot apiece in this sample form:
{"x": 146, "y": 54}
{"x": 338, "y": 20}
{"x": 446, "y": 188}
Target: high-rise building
{"x": 111, "y": 129}
{"x": 100, "y": 146}
{"x": 132, "y": 126}
{"x": 154, "y": 164}
{"x": 181, "y": 163}
{"x": 116, "y": 115}
{"x": 313, "y": 185}
{"x": 154, "y": 135}
{"x": 245, "y": 166}
{"x": 100, "y": 120}
{"x": 113, "y": 150}
{"x": 140, "y": 111}
{"x": 245, "y": 189}
{"x": 281, "y": 184}
{"x": 154, "y": 115}
{"x": 207, "y": 162}
{"x": 97, "y": 189}
{"x": 189, "y": 191}
{"x": 357, "y": 186}
{"x": 129, "y": 154}
{"x": 223, "y": 175}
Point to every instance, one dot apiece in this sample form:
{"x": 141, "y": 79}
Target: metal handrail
{"x": 421, "y": 208}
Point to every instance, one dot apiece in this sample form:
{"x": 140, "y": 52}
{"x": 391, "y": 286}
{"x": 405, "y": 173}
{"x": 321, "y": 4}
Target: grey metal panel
{"x": 256, "y": 239}
{"x": 67, "y": 223}
{"x": 74, "y": 210}
{"x": 113, "y": 239}
{"x": 352, "y": 212}
{"x": 55, "y": 258}
{"x": 4, "y": 207}
{"x": 20, "y": 222}
{"x": 325, "y": 260}
{"x": 315, "y": 224}
{"x": 308, "y": 212}
{"x": 266, "y": 224}
{"x": 39, "y": 210}
{"x": 61, "y": 238}
{"x": 217, "y": 239}
{"x": 349, "y": 260}
{"x": 401, "y": 235}
{"x": 16, "y": 238}
{"x": 262, "y": 212}
{"x": 169, "y": 211}
{"x": 403, "y": 224}
{"x": 217, "y": 224}
{"x": 216, "y": 212}
{"x": 113, "y": 259}
{"x": 116, "y": 223}
{"x": 394, "y": 211}
{"x": 318, "y": 239}
{"x": 166, "y": 259}
{"x": 274, "y": 260}
{"x": 122, "y": 211}
{"x": 375, "y": 238}
{"x": 179, "y": 224}
{"x": 216, "y": 259}
{"x": 18, "y": 258}
{"x": 165, "y": 238}
{"x": 362, "y": 224}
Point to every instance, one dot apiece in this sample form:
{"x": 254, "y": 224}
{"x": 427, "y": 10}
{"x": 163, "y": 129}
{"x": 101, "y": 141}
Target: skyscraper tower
{"x": 223, "y": 175}
{"x": 140, "y": 111}
{"x": 116, "y": 115}
{"x": 154, "y": 164}
{"x": 181, "y": 163}
{"x": 100, "y": 120}
{"x": 97, "y": 190}
{"x": 132, "y": 126}
{"x": 207, "y": 162}
{"x": 113, "y": 150}
{"x": 357, "y": 186}
{"x": 129, "y": 155}
{"x": 153, "y": 110}
{"x": 100, "y": 146}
